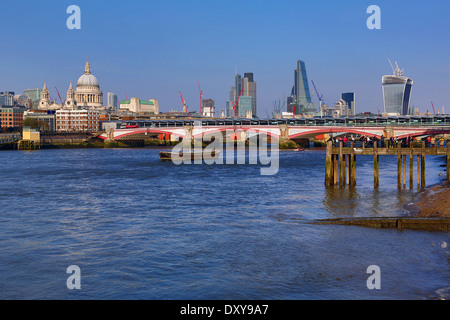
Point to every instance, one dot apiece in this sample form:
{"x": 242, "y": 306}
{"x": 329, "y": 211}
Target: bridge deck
{"x": 392, "y": 151}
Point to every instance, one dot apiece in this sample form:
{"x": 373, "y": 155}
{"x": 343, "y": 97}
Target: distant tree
{"x": 30, "y": 122}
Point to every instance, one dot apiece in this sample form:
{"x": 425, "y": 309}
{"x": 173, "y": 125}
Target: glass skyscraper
{"x": 349, "y": 97}
{"x": 300, "y": 100}
{"x": 396, "y": 93}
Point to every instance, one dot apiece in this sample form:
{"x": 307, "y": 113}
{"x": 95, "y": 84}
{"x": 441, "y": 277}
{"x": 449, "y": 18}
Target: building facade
{"x": 45, "y": 120}
{"x": 300, "y": 100}
{"x": 349, "y": 98}
{"x": 6, "y": 98}
{"x": 34, "y": 95}
{"x": 208, "y": 108}
{"x": 244, "y": 89}
{"x": 77, "y": 120}
{"x": 11, "y": 117}
{"x": 140, "y": 106}
{"x": 88, "y": 94}
{"x": 396, "y": 93}
{"x": 246, "y": 107}
{"x": 113, "y": 102}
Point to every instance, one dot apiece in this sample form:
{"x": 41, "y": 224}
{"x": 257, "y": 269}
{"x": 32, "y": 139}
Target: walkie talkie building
{"x": 396, "y": 93}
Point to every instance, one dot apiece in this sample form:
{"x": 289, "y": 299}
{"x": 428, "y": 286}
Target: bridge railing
{"x": 430, "y": 121}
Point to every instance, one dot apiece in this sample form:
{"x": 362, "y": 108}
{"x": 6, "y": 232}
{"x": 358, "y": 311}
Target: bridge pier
{"x": 340, "y": 168}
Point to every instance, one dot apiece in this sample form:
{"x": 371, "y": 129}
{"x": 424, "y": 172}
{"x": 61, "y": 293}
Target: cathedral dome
{"x": 87, "y": 79}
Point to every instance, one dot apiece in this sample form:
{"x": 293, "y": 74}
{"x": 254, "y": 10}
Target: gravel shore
{"x": 436, "y": 202}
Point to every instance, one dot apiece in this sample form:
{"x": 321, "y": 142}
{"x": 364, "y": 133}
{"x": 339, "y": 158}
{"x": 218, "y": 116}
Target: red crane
{"x": 433, "y": 107}
{"x": 185, "y": 107}
{"x": 59, "y": 95}
{"x": 201, "y": 99}
{"x": 237, "y": 102}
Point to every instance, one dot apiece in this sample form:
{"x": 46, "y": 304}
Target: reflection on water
{"x": 142, "y": 229}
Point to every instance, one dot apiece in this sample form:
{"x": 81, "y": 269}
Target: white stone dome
{"x": 87, "y": 80}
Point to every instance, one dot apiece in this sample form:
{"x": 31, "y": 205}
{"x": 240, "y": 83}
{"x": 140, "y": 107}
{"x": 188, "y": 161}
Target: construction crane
{"x": 59, "y": 95}
{"x": 185, "y": 107}
{"x": 201, "y": 99}
{"x": 318, "y": 96}
{"x": 433, "y": 107}
{"x": 237, "y": 102}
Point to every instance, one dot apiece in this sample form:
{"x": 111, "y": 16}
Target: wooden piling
{"x": 341, "y": 164}
{"x": 353, "y": 165}
{"x": 329, "y": 165}
{"x": 448, "y": 161}
{"x": 347, "y": 164}
{"x": 422, "y": 166}
{"x": 335, "y": 170}
{"x": 404, "y": 171}
{"x": 399, "y": 167}
{"x": 418, "y": 170}
{"x": 376, "y": 166}
{"x": 411, "y": 165}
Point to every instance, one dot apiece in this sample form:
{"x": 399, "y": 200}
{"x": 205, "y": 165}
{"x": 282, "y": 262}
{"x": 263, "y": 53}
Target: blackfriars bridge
{"x": 397, "y": 127}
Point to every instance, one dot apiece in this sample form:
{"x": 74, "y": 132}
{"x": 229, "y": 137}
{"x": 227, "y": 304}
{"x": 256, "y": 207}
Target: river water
{"x": 139, "y": 228}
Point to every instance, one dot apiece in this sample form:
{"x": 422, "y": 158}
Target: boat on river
{"x": 167, "y": 155}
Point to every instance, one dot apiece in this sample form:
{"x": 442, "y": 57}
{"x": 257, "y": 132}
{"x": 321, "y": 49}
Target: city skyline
{"x": 204, "y": 42}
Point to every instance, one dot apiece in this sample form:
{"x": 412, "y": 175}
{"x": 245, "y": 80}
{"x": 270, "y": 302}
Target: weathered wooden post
{"x": 353, "y": 165}
{"x": 448, "y": 161}
{"x": 418, "y": 170}
{"x": 376, "y": 166}
{"x": 335, "y": 169}
{"x": 422, "y": 166}
{"x": 411, "y": 165}
{"x": 348, "y": 160}
{"x": 404, "y": 170}
{"x": 329, "y": 164}
{"x": 399, "y": 166}
{"x": 341, "y": 164}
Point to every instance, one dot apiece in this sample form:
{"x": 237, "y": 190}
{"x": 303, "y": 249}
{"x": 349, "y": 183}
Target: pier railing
{"x": 340, "y": 165}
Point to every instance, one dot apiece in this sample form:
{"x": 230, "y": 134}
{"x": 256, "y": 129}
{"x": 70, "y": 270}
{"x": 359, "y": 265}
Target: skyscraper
{"x": 113, "y": 102}
{"x": 300, "y": 100}
{"x": 349, "y": 97}
{"x": 244, "y": 88}
{"x": 249, "y": 89}
{"x": 396, "y": 92}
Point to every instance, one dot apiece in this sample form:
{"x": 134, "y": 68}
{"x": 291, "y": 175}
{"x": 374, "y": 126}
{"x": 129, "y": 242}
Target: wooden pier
{"x": 340, "y": 167}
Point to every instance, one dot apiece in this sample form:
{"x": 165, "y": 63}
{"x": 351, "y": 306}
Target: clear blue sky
{"x": 153, "y": 49}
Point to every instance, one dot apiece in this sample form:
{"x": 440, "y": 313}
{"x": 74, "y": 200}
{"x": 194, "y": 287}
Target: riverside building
{"x": 77, "y": 120}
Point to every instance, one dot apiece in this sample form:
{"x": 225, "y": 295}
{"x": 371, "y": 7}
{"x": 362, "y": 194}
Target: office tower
{"x": 243, "y": 89}
{"x": 396, "y": 92}
{"x": 246, "y": 107}
{"x": 7, "y": 98}
{"x": 249, "y": 89}
{"x": 113, "y": 102}
{"x": 349, "y": 97}
{"x": 300, "y": 102}
{"x": 34, "y": 95}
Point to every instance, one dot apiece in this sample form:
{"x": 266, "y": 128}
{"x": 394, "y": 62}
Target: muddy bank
{"x": 434, "y": 202}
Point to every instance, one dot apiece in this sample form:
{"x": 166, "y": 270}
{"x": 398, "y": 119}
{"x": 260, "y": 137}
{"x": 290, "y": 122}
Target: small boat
{"x": 167, "y": 155}
{"x": 298, "y": 149}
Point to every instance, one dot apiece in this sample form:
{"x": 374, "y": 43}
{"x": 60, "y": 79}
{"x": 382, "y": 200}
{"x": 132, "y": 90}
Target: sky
{"x": 154, "y": 49}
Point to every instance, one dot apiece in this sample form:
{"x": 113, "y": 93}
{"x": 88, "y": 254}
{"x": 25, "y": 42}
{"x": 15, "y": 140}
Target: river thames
{"x": 139, "y": 228}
